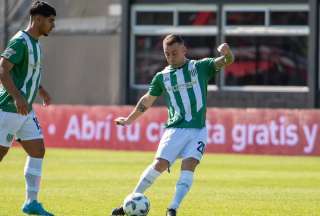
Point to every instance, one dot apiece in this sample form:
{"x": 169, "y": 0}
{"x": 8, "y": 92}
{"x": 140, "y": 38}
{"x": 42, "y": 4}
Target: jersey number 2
{"x": 201, "y": 147}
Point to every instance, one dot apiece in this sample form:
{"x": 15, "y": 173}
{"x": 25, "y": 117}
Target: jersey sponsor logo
{"x": 178, "y": 87}
{"x": 9, "y": 52}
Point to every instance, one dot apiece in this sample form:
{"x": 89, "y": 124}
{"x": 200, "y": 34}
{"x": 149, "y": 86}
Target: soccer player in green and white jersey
{"x": 183, "y": 83}
{"x": 20, "y": 75}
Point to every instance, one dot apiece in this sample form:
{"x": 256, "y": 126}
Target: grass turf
{"x": 91, "y": 183}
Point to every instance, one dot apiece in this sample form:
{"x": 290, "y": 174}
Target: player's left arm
{"x": 43, "y": 93}
{"x": 143, "y": 104}
{"x": 226, "y": 57}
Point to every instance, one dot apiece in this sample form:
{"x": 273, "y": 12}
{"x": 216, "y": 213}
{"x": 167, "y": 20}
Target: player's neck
{"x": 33, "y": 32}
{"x": 179, "y": 65}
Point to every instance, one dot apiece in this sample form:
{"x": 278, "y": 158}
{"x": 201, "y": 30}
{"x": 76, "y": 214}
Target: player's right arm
{"x": 6, "y": 80}
{"x": 143, "y": 104}
{"x": 226, "y": 57}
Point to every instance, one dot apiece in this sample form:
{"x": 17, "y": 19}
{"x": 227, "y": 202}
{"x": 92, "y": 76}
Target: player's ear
{"x": 36, "y": 19}
{"x": 41, "y": 19}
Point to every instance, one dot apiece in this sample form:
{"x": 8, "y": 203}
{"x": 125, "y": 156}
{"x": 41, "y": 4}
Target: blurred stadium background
{"x": 115, "y": 47}
{"x": 99, "y": 61}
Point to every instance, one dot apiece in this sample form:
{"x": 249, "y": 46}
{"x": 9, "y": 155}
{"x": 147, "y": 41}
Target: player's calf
{"x": 182, "y": 188}
{"x": 146, "y": 179}
{"x": 32, "y": 173}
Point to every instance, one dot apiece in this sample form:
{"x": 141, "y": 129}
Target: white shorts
{"x": 182, "y": 143}
{"x": 19, "y": 126}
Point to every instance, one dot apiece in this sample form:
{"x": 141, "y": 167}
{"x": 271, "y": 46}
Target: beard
{"x": 46, "y": 32}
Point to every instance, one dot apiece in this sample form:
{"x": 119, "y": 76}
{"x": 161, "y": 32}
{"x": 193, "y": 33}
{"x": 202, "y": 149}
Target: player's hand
{"x": 224, "y": 49}
{"x": 122, "y": 121}
{"x": 45, "y": 96}
{"x": 21, "y": 105}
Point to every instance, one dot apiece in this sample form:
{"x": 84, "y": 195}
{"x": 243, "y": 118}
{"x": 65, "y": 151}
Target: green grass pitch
{"x": 91, "y": 183}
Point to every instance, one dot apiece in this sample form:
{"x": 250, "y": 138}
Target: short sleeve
{"x": 208, "y": 65}
{"x": 14, "y": 51}
{"x": 155, "y": 88}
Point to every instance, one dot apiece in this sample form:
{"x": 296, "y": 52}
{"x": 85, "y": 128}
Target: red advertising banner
{"x": 251, "y": 131}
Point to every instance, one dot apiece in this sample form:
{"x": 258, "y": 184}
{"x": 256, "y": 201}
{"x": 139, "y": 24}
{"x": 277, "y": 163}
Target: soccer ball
{"x": 136, "y": 204}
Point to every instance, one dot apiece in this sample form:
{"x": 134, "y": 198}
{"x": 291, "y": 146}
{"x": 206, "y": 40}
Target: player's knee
{"x": 42, "y": 152}
{"x": 39, "y": 153}
{"x": 189, "y": 164}
{"x": 3, "y": 153}
{"x": 1, "y": 157}
{"x": 161, "y": 165}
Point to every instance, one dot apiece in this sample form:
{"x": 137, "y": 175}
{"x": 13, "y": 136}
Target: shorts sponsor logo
{"x": 10, "y": 137}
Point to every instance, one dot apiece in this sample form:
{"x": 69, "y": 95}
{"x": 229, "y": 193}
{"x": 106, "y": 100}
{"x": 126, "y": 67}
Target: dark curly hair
{"x": 42, "y": 8}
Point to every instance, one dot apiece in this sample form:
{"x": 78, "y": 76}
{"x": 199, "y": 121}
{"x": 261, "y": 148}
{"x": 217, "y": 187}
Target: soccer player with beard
{"x": 20, "y": 76}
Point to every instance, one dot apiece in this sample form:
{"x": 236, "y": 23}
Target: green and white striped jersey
{"x": 24, "y": 52}
{"x": 185, "y": 92}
